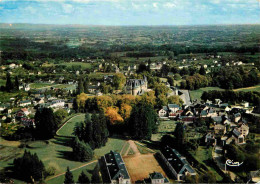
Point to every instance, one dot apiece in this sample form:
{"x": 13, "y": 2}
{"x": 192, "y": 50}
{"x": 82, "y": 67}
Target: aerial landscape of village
{"x": 128, "y": 103}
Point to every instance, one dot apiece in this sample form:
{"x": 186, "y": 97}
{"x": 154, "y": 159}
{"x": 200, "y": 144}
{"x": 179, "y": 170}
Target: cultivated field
{"x": 140, "y": 166}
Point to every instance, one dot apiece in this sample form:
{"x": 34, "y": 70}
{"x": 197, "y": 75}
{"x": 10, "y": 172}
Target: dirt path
{"x": 252, "y": 87}
{"x": 94, "y": 161}
{"x": 134, "y": 147}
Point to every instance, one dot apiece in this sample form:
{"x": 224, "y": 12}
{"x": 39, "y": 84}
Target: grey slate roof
{"x": 179, "y": 163}
{"x": 116, "y": 166}
{"x": 173, "y": 106}
{"x": 156, "y": 175}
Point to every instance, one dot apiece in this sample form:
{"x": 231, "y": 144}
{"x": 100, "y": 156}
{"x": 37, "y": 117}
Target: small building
{"x": 163, "y": 112}
{"x": 25, "y": 103}
{"x": 173, "y": 108}
{"x": 219, "y": 129}
{"x": 116, "y": 168}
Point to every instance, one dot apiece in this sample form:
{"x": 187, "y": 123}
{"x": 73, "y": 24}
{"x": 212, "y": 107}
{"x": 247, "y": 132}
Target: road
{"x": 185, "y": 96}
{"x": 218, "y": 157}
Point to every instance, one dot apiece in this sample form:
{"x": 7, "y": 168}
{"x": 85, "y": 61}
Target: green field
{"x": 67, "y": 129}
{"x": 56, "y": 152}
{"x": 2, "y": 82}
{"x": 40, "y": 85}
{"x": 166, "y": 126}
{"x": 83, "y": 65}
{"x": 253, "y": 88}
{"x": 196, "y": 94}
{"x": 204, "y": 156}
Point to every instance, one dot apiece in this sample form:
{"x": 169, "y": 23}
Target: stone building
{"x": 136, "y": 86}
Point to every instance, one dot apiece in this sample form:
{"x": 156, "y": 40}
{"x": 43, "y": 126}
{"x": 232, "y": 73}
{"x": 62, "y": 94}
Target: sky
{"x": 130, "y": 12}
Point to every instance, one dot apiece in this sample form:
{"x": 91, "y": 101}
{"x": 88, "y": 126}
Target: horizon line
{"x": 111, "y": 25}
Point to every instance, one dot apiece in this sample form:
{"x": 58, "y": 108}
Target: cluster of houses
{"x": 228, "y": 124}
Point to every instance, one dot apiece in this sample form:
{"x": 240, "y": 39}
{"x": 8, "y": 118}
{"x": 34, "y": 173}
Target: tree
{"x": 80, "y": 88}
{"x": 94, "y": 130}
{"x": 161, "y": 89}
{"x": 119, "y": 81}
{"x": 29, "y": 167}
{"x": 83, "y": 178}
{"x": 9, "y": 84}
{"x": 68, "y": 177}
{"x": 86, "y": 84}
{"x": 165, "y": 70}
{"x": 125, "y": 111}
{"x": 113, "y": 116}
{"x": 46, "y": 126}
{"x": 202, "y": 71}
{"x": 161, "y": 100}
{"x": 179, "y": 134}
{"x": 16, "y": 83}
{"x": 142, "y": 121}
{"x": 59, "y": 115}
{"x": 175, "y": 99}
{"x": 81, "y": 151}
{"x": 96, "y": 178}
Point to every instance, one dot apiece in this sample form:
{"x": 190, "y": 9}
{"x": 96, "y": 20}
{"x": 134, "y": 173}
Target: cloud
{"x": 169, "y": 5}
{"x": 67, "y": 8}
{"x": 155, "y": 5}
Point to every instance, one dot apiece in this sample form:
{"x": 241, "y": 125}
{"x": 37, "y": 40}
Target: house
{"x": 236, "y": 117}
{"x": 127, "y": 68}
{"x": 163, "y": 112}
{"x": 177, "y": 165}
{"x": 93, "y": 88}
{"x": 116, "y": 169}
{"x": 22, "y": 113}
{"x": 28, "y": 122}
{"x": 25, "y": 103}
{"x": 243, "y": 129}
{"x": 57, "y": 104}
{"x": 173, "y": 108}
{"x": 154, "y": 178}
{"x": 219, "y": 129}
{"x": 157, "y": 178}
{"x": 210, "y": 139}
{"x": 25, "y": 87}
{"x": 188, "y": 120}
{"x": 236, "y": 137}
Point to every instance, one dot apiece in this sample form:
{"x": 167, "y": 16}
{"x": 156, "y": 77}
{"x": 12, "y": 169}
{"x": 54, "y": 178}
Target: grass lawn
{"x": 67, "y": 129}
{"x": 252, "y": 88}
{"x": 196, "y": 94}
{"x": 57, "y": 153}
{"x": 2, "y": 82}
{"x": 166, "y": 126}
{"x": 40, "y": 85}
{"x": 112, "y": 144}
{"x": 204, "y": 155}
{"x": 86, "y": 169}
{"x": 5, "y": 96}
{"x": 83, "y": 65}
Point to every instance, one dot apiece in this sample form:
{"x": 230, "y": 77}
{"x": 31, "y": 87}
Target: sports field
{"x": 141, "y": 165}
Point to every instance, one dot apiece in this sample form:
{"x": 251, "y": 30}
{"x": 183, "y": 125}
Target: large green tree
{"x": 81, "y": 150}
{"x": 68, "y": 177}
{"x": 28, "y": 167}
{"x": 142, "y": 121}
{"x": 83, "y": 178}
{"x": 46, "y": 126}
{"x": 9, "y": 84}
{"x": 119, "y": 81}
